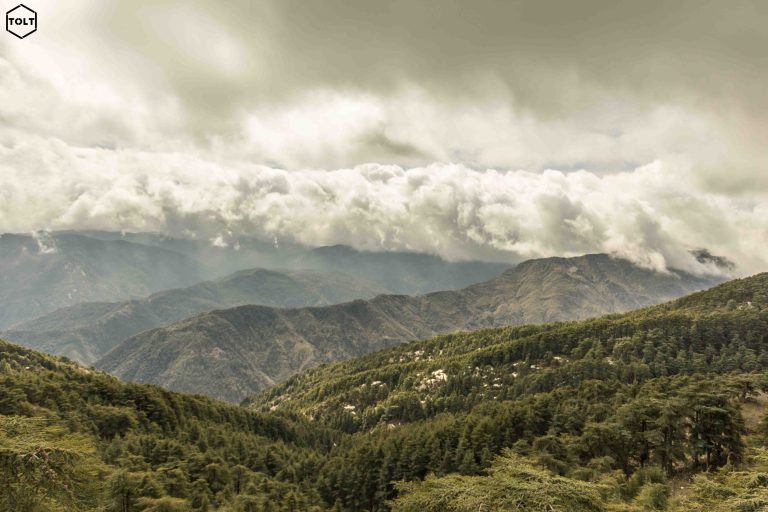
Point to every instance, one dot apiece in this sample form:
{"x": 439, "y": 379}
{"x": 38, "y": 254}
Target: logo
{"x": 21, "y": 21}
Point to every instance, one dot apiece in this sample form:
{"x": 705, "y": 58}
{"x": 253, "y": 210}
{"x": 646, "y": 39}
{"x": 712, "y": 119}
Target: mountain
{"x": 399, "y": 272}
{"x": 728, "y": 322}
{"x": 43, "y": 272}
{"x": 86, "y": 331}
{"x": 396, "y": 272}
{"x": 232, "y": 353}
{"x": 73, "y": 439}
{"x": 613, "y": 413}
{"x": 656, "y": 409}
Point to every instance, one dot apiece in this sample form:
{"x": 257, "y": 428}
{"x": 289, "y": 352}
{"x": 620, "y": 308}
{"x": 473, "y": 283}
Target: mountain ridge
{"x": 43, "y": 272}
{"x": 341, "y": 380}
{"x": 191, "y": 356}
{"x": 87, "y": 331}
{"x": 394, "y": 271}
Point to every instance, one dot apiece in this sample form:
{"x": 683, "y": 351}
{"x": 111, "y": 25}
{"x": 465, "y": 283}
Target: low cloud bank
{"x": 654, "y": 215}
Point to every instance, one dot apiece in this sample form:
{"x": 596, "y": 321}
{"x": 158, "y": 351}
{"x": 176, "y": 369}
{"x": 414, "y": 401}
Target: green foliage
{"x": 164, "y": 504}
{"x": 112, "y": 421}
{"x": 513, "y": 484}
{"x": 744, "y": 490}
{"x": 43, "y": 467}
{"x": 88, "y": 440}
{"x": 594, "y": 415}
{"x": 653, "y": 496}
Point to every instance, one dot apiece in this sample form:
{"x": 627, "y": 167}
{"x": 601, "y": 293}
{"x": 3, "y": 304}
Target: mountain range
{"x": 86, "y": 331}
{"x": 655, "y": 409}
{"x": 233, "y": 353}
{"x": 79, "y": 293}
{"x": 396, "y": 272}
{"x": 46, "y": 271}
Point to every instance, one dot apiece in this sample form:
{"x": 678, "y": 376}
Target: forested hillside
{"x": 73, "y": 439}
{"x": 233, "y": 353}
{"x": 721, "y": 330}
{"x": 617, "y": 413}
{"x": 631, "y": 402}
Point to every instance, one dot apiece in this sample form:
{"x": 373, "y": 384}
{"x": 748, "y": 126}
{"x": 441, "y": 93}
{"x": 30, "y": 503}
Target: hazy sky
{"x": 479, "y": 129}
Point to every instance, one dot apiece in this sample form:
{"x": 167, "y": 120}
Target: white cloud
{"x": 46, "y": 244}
{"x": 653, "y": 214}
{"x": 114, "y": 119}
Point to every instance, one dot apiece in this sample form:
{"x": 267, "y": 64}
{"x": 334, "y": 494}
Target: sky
{"x": 493, "y": 130}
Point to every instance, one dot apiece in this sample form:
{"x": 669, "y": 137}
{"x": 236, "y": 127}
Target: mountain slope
{"x": 73, "y": 439}
{"x": 44, "y": 272}
{"x": 230, "y": 354}
{"x": 399, "y": 272}
{"x": 633, "y": 403}
{"x": 625, "y": 413}
{"x": 87, "y": 331}
{"x": 728, "y": 321}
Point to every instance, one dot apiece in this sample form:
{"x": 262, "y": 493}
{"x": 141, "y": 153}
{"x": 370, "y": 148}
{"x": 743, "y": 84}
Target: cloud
{"x": 650, "y": 215}
{"x": 46, "y": 244}
{"x": 262, "y": 118}
{"x": 514, "y": 85}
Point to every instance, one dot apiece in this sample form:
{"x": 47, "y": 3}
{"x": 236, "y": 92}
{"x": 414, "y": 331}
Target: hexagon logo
{"x": 21, "y": 21}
